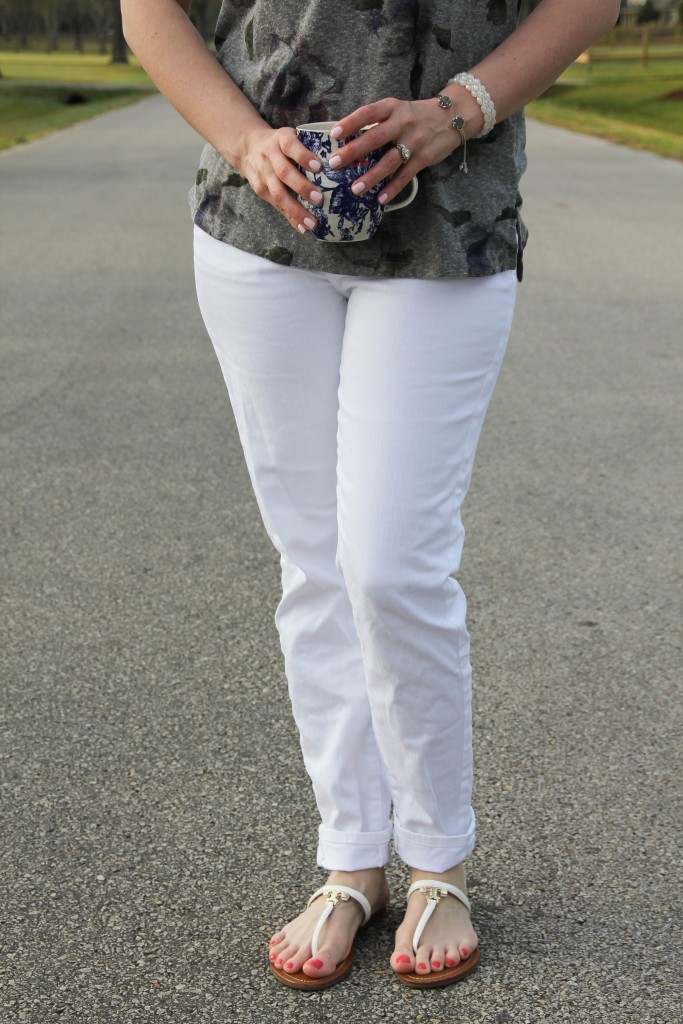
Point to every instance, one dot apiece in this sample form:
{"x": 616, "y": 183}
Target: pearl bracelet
{"x": 480, "y": 93}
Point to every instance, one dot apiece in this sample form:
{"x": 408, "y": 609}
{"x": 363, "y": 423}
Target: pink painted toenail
{"x": 402, "y": 959}
{"x": 450, "y": 963}
{"x": 272, "y": 956}
{"x": 278, "y": 961}
{"x": 289, "y": 964}
{"x": 316, "y": 963}
{"x": 464, "y": 953}
{"x": 272, "y": 942}
{"x": 436, "y": 963}
{"x": 422, "y": 967}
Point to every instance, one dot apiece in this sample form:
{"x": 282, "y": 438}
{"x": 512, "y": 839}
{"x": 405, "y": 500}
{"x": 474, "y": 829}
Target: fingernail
{"x": 335, "y": 161}
{"x": 450, "y": 963}
{"x": 309, "y": 222}
{"x": 436, "y": 963}
{"x": 316, "y": 197}
{"x": 289, "y": 964}
{"x": 315, "y": 165}
{"x": 301, "y": 228}
{"x": 358, "y": 187}
{"x": 402, "y": 959}
{"x": 336, "y": 132}
{"x": 383, "y": 198}
{"x": 316, "y": 963}
{"x": 422, "y": 967}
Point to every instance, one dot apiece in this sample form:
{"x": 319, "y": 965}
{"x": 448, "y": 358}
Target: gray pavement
{"x": 156, "y": 821}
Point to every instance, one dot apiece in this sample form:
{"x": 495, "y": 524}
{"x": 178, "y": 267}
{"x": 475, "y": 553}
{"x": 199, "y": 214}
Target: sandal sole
{"x": 305, "y": 982}
{"x": 438, "y": 979}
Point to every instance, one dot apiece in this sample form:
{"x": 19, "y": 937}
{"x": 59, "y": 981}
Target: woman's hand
{"x": 421, "y": 125}
{"x": 268, "y": 161}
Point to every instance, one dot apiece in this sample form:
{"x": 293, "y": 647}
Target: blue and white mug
{"x": 343, "y": 216}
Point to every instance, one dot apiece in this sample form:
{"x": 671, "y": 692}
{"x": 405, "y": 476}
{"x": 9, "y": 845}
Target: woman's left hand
{"x": 420, "y": 125}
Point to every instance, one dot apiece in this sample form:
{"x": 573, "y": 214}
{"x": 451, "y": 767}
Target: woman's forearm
{"x": 546, "y": 43}
{"x": 177, "y": 60}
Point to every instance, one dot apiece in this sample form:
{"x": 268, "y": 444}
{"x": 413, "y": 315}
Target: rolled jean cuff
{"x": 352, "y": 851}
{"x": 432, "y": 853}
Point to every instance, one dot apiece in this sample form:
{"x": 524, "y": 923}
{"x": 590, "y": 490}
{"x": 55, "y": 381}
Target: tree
{"x": 648, "y": 13}
{"x": 51, "y": 11}
{"x": 120, "y": 50}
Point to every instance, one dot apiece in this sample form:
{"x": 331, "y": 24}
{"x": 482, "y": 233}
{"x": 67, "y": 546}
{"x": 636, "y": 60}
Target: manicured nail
{"x": 272, "y": 956}
{"x": 436, "y": 963}
{"x": 315, "y": 963}
{"x": 309, "y": 222}
{"x": 384, "y": 198}
{"x": 315, "y": 196}
{"x": 335, "y": 161}
{"x": 315, "y": 165}
{"x": 278, "y": 962}
{"x": 289, "y": 965}
{"x": 336, "y": 132}
{"x": 402, "y": 959}
{"x": 301, "y": 228}
{"x": 358, "y": 187}
{"x": 422, "y": 967}
{"x": 450, "y": 963}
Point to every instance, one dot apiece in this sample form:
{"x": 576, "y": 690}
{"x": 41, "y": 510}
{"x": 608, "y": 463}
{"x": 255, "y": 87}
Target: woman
{"x": 360, "y": 375}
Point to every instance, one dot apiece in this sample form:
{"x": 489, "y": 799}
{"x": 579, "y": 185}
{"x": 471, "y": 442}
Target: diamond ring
{"x": 404, "y": 151}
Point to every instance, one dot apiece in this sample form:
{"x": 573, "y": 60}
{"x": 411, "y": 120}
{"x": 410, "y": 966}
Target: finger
{"x": 397, "y": 184}
{"x": 388, "y": 166}
{"x": 280, "y": 197}
{"x": 295, "y": 150}
{"x": 370, "y": 113}
{"x": 292, "y": 177}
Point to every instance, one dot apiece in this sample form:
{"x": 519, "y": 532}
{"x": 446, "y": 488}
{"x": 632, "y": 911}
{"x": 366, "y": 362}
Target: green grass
{"x": 616, "y": 99}
{"x": 35, "y": 89}
{"x": 89, "y": 68}
{"x": 33, "y": 111}
{"x": 620, "y": 101}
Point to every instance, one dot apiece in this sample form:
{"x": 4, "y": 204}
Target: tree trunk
{"x": 120, "y": 50}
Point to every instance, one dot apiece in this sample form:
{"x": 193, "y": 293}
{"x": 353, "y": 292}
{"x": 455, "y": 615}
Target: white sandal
{"x": 434, "y": 892}
{"x": 335, "y": 894}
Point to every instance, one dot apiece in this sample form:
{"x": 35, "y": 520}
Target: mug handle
{"x": 390, "y": 207}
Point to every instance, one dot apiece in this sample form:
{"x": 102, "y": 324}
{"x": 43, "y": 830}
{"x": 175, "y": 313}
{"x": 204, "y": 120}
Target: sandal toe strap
{"x": 434, "y": 891}
{"x": 336, "y": 894}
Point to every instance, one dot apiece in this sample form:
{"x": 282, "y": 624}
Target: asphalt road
{"x": 156, "y": 820}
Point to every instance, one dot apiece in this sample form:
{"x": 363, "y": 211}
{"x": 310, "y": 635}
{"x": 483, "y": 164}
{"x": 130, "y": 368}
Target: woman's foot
{"x": 290, "y": 948}
{"x": 448, "y": 937}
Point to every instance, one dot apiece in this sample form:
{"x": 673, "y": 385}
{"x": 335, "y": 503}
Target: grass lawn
{"x": 621, "y": 101}
{"x": 40, "y": 92}
{"x": 616, "y": 98}
{"x": 33, "y": 111}
{"x": 70, "y": 67}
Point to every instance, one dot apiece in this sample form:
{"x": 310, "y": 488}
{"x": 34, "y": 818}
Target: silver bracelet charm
{"x": 458, "y": 123}
{"x": 481, "y": 95}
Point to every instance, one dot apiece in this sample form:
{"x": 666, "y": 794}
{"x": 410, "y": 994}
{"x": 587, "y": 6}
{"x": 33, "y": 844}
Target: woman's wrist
{"x": 463, "y": 104}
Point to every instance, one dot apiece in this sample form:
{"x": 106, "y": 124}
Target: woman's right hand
{"x": 268, "y": 162}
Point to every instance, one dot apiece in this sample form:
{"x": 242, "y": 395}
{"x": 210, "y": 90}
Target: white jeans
{"x": 359, "y": 403}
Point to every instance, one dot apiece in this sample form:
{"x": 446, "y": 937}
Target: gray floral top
{"x": 317, "y": 60}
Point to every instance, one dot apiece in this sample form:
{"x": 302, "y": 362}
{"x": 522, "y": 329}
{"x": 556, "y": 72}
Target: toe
{"x": 319, "y": 966}
{"x": 437, "y": 958}
{"x": 295, "y": 960}
{"x": 423, "y": 959}
{"x": 451, "y": 956}
{"x": 402, "y": 960}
